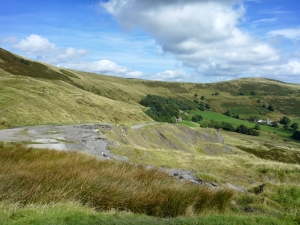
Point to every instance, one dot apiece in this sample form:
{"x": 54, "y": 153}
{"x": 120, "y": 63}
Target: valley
{"x": 74, "y": 112}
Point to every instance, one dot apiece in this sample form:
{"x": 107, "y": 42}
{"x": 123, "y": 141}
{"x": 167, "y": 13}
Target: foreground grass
{"x": 30, "y": 176}
{"x": 70, "y": 213}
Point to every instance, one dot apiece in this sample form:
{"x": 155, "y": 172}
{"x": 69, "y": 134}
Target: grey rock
{"x": 236, "y": 188}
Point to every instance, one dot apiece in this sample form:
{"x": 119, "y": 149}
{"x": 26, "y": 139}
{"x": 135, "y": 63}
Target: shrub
{"x": 295, "y": 126}
{"x": 242, "y": 129}
{"x": 274, "y": 124}
{"x": 227, "y": 126}
{"x": 202, "y": 106}
{"x": 245, "y": 130}
{"x": 257, "y": 127}
{"x": 296, "y": 135}
{"x": 197, "y": 118}
{"x": 271, "y": 108}
{"x": 285, "y": 120}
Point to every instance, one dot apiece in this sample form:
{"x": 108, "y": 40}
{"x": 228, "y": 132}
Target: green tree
{"x": 227, "y": 126}
{"x": 252, "y": 93}
{"x": 295, "y": 126}
{"x": 202, "y": 97}
{"x": 197, "y": 118}
{"x": 271, "y": 108}
{"x": 229, "y": 112}
{"x": 217, "y": 93}
{"x": 242, "y": 129}
{"x": 236, "y": 116}
{"x": 286, "y": 126}
{"x": 285, "y": 120}
{"x": 296, "y": 135}
{"x": 202, "y": 106}
{"x": 253, "y": 118}
{"x": 257, "y": 127}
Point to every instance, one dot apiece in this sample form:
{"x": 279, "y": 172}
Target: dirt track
{"x": 84, "y": 138}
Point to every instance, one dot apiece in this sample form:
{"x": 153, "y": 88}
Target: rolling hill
{"x": 34, "y": 93}
{"x": 37, "y": 93}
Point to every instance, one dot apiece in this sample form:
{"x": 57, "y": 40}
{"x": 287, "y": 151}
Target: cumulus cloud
{"x": 43, "y": 49}
{"x": 203, "y": 35}
{"x": 105, "y": 67}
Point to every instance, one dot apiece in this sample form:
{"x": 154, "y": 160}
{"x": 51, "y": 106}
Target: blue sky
{"x": 171, "y": 40}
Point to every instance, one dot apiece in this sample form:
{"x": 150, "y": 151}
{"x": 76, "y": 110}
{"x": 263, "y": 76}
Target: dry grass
{"x": 30, "y": 176}
{"x": 29, "y": 101}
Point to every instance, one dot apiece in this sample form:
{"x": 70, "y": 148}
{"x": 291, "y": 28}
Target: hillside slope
{"x": 37, "y": 93}
{"x": 33, "y": 93}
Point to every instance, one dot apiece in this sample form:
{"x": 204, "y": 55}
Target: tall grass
{"x": 30, "y": 176}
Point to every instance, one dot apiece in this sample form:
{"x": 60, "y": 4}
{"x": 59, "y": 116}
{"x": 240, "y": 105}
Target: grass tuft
{"x": 30, "y": 176}
{"x": 4, "y": 123}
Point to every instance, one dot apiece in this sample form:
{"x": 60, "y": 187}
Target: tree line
{"x": 165, "y": 109}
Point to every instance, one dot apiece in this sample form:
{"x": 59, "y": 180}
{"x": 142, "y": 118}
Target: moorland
{"x": 240, "y": 133}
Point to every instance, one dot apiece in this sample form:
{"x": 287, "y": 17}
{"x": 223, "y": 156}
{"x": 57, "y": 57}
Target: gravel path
{"x": 83, "y": 138}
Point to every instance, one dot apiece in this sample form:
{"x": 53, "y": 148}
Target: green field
{"x": 217, "y": 117}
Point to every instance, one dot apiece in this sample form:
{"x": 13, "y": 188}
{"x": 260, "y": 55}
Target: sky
{"x": 171, "y": 40}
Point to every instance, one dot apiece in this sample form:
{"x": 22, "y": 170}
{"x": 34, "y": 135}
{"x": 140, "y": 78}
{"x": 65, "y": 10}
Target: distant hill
{"x": 37, "y": 93}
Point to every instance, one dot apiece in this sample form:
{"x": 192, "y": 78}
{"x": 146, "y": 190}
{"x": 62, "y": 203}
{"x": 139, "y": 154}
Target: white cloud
{"x": 203, "y": 35}
{"x": 105, "y": 67}
{"x": 44, "y": 50}
{"x": 174, "y": 75}
{"x": 35, "y": 44}
{"x": 276, "y": 11}
{"x": 288, "y": 33}
{"x": 293, "y": 67}
{"x": 9, "y": 40}
{"x": 266, "y": 20}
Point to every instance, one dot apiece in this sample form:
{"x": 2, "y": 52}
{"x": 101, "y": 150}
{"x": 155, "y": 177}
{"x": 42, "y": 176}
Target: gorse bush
{"x": 30, "y": 176}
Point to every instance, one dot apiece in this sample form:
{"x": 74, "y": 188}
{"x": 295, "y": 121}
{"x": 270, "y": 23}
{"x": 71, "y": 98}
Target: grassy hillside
{"x": 284, "y": 97}
{"x": 245, "y": 161}
{"x": 35, "y": 93}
